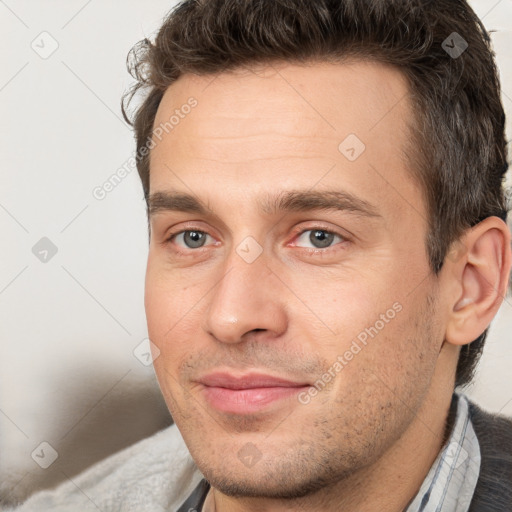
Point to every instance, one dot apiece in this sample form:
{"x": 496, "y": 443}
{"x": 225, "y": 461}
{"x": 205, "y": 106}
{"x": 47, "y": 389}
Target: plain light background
{"x": 70, "y": 325}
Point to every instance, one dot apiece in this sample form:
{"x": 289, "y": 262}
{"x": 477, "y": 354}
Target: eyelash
{"x": 298, "y": 234}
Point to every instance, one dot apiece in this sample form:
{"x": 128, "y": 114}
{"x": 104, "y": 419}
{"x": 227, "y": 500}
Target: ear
{"x": 480, "y": 265}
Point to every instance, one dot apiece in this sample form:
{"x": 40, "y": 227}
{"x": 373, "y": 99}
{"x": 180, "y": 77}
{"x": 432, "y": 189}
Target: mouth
{"x": 246, "y": 394}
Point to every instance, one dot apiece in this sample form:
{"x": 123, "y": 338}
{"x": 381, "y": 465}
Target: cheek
{"x": 352, "y": 309}
{"x": 380, "y": 337}
{"x": 404, "y": 353}
{"x": 170, "y": 329}
{"x": 170, "y": 303}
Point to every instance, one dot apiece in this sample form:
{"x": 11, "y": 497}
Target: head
{"x": 340, "y": 177}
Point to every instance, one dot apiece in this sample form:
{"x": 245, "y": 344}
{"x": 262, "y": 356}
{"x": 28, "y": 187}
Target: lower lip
{"x": 246, "y": 401}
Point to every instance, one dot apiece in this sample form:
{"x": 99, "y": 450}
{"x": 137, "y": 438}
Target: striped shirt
{"x": 451, "y": 481}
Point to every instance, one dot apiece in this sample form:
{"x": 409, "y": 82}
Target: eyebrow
{"x": 289, "y": 201}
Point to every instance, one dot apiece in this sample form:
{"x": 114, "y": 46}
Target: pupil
{"x": 194, "y": 238}
{"x": 321, "y": 238}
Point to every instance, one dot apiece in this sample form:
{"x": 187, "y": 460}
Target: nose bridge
{"x": 246, "y": 297}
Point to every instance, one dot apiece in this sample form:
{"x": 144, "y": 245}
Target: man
{"x": 327, "y": 249}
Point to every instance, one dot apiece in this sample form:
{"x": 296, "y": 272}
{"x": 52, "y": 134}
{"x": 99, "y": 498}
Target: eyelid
{"x": 183, "y": 227}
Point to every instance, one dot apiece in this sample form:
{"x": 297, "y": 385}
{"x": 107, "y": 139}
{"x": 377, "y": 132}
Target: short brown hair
{"x": 458, "y": 135}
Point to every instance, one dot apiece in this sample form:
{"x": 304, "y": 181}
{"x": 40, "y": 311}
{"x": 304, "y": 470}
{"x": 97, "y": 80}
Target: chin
{"x": 270, "y": 483}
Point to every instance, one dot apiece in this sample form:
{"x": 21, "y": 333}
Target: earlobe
{"x": 482, "y": 273}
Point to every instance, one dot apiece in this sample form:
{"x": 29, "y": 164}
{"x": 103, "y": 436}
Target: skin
{"x": 380, "y": 422}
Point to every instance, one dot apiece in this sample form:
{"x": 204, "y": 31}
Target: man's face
{"x": 297, "y": 341}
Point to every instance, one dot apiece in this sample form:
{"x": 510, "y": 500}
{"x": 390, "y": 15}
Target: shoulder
{"x": 493, "y": 491}
{"x": 154, "y": 474}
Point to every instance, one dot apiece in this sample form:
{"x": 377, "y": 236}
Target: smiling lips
{"x": 247, "y": 393}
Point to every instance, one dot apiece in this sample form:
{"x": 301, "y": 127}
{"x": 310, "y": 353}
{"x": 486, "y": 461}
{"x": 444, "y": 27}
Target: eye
{"x": 319, "y": 238}
{"x": 190, "y": 239}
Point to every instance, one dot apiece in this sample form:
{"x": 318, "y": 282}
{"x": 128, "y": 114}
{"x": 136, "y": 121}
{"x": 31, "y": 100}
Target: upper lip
{"x": 247, "y": 381}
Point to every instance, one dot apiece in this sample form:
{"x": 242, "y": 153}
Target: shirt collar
{"x": 451, "y": 481}
{"x": 194, "y": 503}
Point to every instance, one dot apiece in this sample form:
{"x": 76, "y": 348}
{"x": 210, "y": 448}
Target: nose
{"x": 247, "y": 299}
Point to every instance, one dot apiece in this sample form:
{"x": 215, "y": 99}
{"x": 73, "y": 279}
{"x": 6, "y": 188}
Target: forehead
{"x": 334, "y": 98}
{"x": 285, "y": 125}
